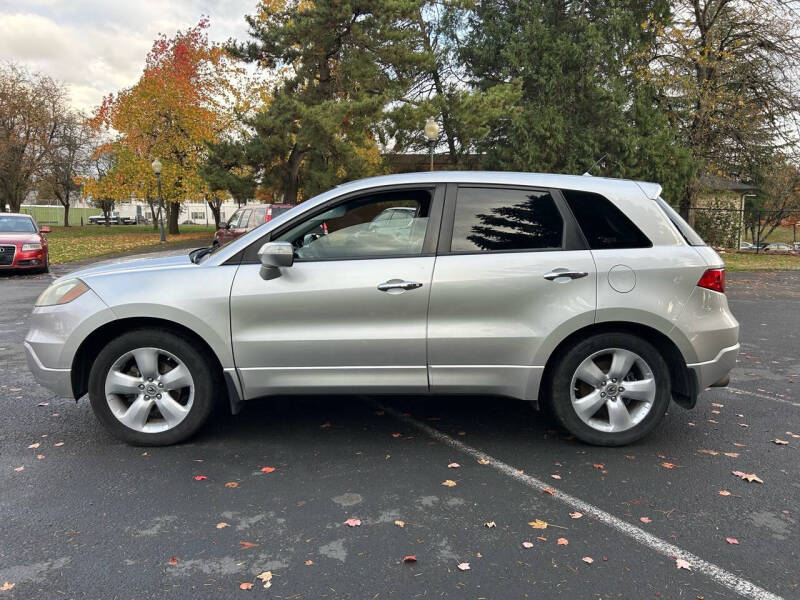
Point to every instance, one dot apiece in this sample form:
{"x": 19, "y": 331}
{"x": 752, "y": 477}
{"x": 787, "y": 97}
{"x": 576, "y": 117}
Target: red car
{"x": 247, "y": 218}
{"x": 23, "y": 245}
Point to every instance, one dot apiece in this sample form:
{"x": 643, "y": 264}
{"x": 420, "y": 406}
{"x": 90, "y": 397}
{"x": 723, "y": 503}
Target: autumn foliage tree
{"x": 184, "y": 99}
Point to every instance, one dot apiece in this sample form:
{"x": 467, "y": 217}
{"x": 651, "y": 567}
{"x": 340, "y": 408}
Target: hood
{"x": 15, "y": 238}
{"x": 133, "y": 264}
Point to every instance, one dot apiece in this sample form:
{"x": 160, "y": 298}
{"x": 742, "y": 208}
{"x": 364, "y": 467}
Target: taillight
{"x": 269, "y": 216}
{"x": 713, "y": 279}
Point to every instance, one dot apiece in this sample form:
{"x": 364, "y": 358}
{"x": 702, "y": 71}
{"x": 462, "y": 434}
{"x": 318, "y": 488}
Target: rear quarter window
{"x": 604, "y": 225}
{"x": 690, "y": 235}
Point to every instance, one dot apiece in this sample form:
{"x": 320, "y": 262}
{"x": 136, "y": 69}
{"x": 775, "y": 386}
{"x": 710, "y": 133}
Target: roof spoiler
{"x": 651, "y": 190}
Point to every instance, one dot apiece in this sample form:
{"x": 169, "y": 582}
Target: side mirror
{"x": 273, "y": 256}
{"x": 45, "y": 229}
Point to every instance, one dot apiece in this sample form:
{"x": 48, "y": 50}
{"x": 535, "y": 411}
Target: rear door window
{"x": 603, "y": 224}
{"x": 506, "y": 220}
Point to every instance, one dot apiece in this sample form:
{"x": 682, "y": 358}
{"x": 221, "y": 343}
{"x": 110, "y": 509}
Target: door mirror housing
{"x": 45, "y": 229}
{"x": 273, "y": 256}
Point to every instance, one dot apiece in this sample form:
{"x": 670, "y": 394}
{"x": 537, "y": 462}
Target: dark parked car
{"x": 23, "y": 245}
{"x": 248, "y": 218}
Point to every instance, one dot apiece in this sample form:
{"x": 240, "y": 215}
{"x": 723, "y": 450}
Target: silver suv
{"x": 590, "y": 297}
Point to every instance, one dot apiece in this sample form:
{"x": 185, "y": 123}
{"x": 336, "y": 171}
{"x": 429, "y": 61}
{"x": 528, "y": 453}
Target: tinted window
{"x": 259, "y": 217}
{"x": 493, "y": 220}
{"x": 278, "y": 210}
{"x": 354, "y": 229}
{"x": 603, "y": 224}
{"x": 689, "y": 234}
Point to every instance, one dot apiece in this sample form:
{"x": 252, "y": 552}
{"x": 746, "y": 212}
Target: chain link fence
{"x": 749, "y": 230}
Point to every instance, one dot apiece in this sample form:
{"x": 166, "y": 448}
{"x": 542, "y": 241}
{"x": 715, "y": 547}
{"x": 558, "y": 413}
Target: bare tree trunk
{"x": 292, "y": 183}
{"x": 153, "y": 213}
{"x": 66, "y": 214}
{"x": 174, "y": 213}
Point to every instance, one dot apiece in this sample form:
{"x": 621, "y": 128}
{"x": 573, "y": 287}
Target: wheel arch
{"x": 682, "y": 379}
{"x": 91, "y": 346}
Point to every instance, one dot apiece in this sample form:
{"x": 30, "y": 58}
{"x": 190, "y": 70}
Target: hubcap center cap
{"x": 151, "y": 390}
{"x": 611, "y": 390}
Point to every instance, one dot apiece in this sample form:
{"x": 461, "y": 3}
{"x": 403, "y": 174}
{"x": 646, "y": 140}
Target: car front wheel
{"x": 610, "y": 389}
{"x": 151, "y": 388}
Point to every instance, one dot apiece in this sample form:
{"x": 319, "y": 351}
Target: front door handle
{"x": 397, "y": 286}
{"x": 562, "y": 272}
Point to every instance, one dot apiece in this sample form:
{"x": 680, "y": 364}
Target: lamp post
{"x": 432, "y": 133}
{"x": 156, "y": 165}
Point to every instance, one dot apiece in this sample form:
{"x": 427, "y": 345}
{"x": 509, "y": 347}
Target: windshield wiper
{"x": 198, "y": 253}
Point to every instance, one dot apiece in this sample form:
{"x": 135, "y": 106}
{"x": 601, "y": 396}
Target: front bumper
{"x": 59, "y": 381}
{"x": 713, "y": 371}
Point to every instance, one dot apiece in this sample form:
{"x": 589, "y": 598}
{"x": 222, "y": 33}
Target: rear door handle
{"x": 397, "y": 286}
{"x": 562, "y": 272}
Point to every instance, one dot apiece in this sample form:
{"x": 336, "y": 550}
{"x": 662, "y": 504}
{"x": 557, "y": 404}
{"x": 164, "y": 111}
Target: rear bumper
{"x": 59, "y": 381}
{"x": 714, "y": 371}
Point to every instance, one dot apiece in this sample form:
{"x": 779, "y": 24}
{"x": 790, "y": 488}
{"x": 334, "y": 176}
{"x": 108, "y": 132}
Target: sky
{"x": 96, "y": 47}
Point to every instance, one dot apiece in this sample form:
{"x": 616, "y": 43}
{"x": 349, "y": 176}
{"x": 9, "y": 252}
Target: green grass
{"x": 75, "y": 243}
{"x": 750, "y": 261}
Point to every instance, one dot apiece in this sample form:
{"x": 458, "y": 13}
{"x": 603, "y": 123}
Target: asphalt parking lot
{"x": 84, "y": 516}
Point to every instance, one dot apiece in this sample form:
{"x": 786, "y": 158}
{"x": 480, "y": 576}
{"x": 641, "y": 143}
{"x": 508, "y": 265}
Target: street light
{"x": 432, "y": 133}
{"x": 156, "y": 165}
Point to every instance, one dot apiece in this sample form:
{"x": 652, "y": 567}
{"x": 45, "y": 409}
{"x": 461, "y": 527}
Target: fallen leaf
{"x": 555, "y": 476}
{"x": 780, "y": 442}
{"x": 483, "y": 461}
{"x": 410, "y": 558}
{"x": 32, "y": 446}
{"x": 717, "y": 405}
{"x": 724, "y": 493}
{"x": 738, "y": 445}
{"x": 325, "y": 425}
{"x": 562, "y": 542}
{"x": 18, "y": 469}
{"x": 527, "y": 545}
{"x": 751, "y": 477}
{"x": 266, "y": 578}
{"x": 449, "y": 483}
{"x": 541, "y": 538}
{"x": 714, "y": 412}
{"x": 490, "y": 524}
{"x": 707, "y": 451}
{"x": 59, "y": 444}
{"x": 246, "y": 545}
{"x": 668, "y": 465}
{"x": 396, "y": 435}
{"x": 794, "y": 435}
{"x": 309, "y": 562}
{"x": 538, "y": 524}
{"x": 598, "y": 466}
{"x": 353, "y": 522}
{"x": 173, "y": 560}
{"x": 222, "y": 525}
{"x": 39, "y": 456}
{"x": 733, "y": 541}
{"x": 743, "y": 425}
{"x": 232, "y": 484}
{"x": 630, "y": 457}
{"x": 645, "y": 519}
{"x": 453, "y": 465}
{"x": 200, "y": 477}
{"x": 400, "y": 523}
{"x": 463, "y": 566}
{"x": 548, "y": 491}
{"x": 43, "y": 404}
{"x": 462, "y": 433}
{"x": 267, "y": 469}
{"x": 588, "y": 560}
{"x": 7, "y": 585}
{"x": 246, "y": 586}
{"x": 683, "y": 564}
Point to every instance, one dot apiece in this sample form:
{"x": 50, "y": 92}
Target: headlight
{"x": 32, "y": 246}
{"x": 61, "y": 293}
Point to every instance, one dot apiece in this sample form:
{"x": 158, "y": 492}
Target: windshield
{"x": 16, "y": 225}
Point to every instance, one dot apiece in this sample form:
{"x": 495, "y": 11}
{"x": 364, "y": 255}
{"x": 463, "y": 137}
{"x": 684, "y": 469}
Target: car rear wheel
{"x": 151, "y": 388}
{"x": 610, "y": 389}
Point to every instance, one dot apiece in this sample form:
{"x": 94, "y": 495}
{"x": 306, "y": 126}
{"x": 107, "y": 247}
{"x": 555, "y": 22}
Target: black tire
{"x": 199, "y": 364}
{"x": 559, "y": 382}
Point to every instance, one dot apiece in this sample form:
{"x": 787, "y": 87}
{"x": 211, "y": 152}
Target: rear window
{"x": 689, "y": 234}
{"x": 603, "y": 224}
{"x": 278, "y": 210}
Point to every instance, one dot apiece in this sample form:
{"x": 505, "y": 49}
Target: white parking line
{"x": 737, "y": 392}
{"x": 718, "y": 574}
